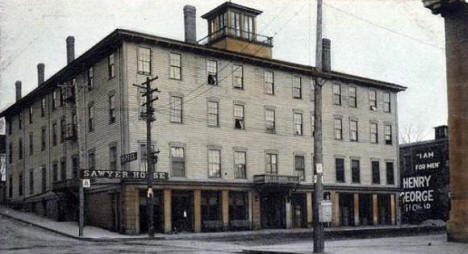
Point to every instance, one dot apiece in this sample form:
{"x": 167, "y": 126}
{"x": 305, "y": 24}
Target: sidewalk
{"x": 70, "y": 229}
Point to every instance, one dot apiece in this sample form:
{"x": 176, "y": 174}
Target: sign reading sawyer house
{"x": 115, "y": 174}
{"x": 424, "y": 183}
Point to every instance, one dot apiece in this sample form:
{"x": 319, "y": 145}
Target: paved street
{"x": 16, "y": 237}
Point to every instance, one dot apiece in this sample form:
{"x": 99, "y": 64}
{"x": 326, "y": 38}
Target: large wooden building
{"x": 234, "y": 129}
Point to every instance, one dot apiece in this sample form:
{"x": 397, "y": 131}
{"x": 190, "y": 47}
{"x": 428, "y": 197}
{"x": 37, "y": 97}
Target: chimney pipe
{"x": 40, "y": 73}
{"x": 18, "y": 90}
{"x": 326, "y": 54}
{"x": 190, "y": 25}
{"x": 70, "y": 49}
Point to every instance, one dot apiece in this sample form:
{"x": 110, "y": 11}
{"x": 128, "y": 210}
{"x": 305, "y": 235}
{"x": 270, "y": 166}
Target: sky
{"x": 397, "y": 41}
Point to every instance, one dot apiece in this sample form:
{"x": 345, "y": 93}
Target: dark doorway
{"x": 239, "y": 210}
{"x": 182, "y": 211}
{"x": 346, "y": 209}
{"x": 299, "y": 210}
{"x": 272, "y": 210}
{"x": 365, "y": 209}
{"x": 157, "y": 212}
{"x": 211, "y": 211}
{"x": 384, "y": 209}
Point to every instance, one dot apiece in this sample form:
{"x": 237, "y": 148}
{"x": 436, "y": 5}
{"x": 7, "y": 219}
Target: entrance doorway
{"x": 182, "y": 211}
{"x": 299, "y": 211}
{"x": 365, "y": 209}
{"x": 384, "y": 209}
{"x": 346, "y": 209}
{"x": 272, "y": 210}
{"x": 157, "y": 212}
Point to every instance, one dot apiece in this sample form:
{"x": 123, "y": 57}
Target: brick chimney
{"x": 326, "y": 54}
{"x": 70, "y": 49}
{"x": 40, "y": 73}
{"x": 190, "y": 25}
{"x": 18, "y": 90}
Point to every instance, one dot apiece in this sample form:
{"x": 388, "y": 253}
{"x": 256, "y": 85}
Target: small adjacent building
{"x": 424, "y": 170}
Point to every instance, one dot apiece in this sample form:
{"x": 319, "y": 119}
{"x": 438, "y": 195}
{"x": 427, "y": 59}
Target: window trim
{"x": 143, "y": 72}
{"x": 111, "y": 66}
{"x": 171, "y": 66}
{"x": 184, "y": 159}
{"x": 294, "y": 88}
{"x": 218, "y": 150}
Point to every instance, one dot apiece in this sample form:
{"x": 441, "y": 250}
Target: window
{"x": 353, "y": 131}
{"x": 30, "y": 114}
{"x": 91, "y": 117}
{"x": 90, "y": 78}
{"x": 338, "y": 129}
{"x": 239, "y": 122}
{"x": 269, "y": 84}
{"x": 374, "y": 135}
{"x": 375, "y": 172}
{"x": 270, "y": 120}
{"x": 75, "y": 166}
{"x": 299, "y": 167}
{"x": 20, "y": 120}
{"x": 20, "y": 148}
{"x": 271, "y": 163}
{"x": 298, "y": 124}
{"x": 144, "y": 61}
{"x": 336, "y": 94}
{"x": 175, "y": 66}
{"x": 44, "y": 178}
{"x": 43, "y": 138}
{"x": 62, "y": 91}
{"x": 91, "y": 160}
{"x": 240, "y": 165}
{"x": 55, "y": 171}
{"x": 43, "y": 105}
{"x": 339, "y": 167}
{"x": 9, "y": 126}
{"x": 10, "y": 187}
{"x": 355, "y": 171}
{"x": 387, "y": 103}
{"x": 236, "y": 21}
{"x": 31, "y": 143}
{"x": 312, "y": 123}
{"x": 111, "y": 108}
{"x": 63, "y": 169}
{"x": 63, "y": 129}
{"x": 54, "y": 100}
{"x": 238, "y": 76}
{"x": 388, "y": 134}
{"x": 214, "y": 163}
{"x": 178, "y": 161}
{"x": 54, "y": 134}
{"x": 10, "y": 153}
{"x": 213, "y": 113}
{"x": 111, "y": 66}
{"x": 247, "y": 27}
{"x": 113, "y": 157}
{"x": 297, "y": 87}
{"x": 390, "y": 174}
{"x": 176, "y": 109}
{"x": 212, "y": 70}
{"x": 373, "y": 100}
{"x": 352, "y": 97}
{"x": 31, "y": 182}
{"x": 20, "y": 184}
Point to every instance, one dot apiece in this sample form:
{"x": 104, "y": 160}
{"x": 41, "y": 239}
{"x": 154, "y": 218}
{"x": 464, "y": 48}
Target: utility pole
{"x": 151, "y": 156}
{"x": 319, "y": 245}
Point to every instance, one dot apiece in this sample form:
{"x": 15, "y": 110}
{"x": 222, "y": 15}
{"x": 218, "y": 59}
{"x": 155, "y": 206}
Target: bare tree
{"x": 410, "y": 133}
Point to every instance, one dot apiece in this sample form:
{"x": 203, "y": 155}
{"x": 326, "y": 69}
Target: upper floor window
{"x": 43, "y": 178}
{"x": 297, "y": 87}
{"x": 90, "y": 78}
{"x": 269, "y": 84}
{"x": 336, "y": 94}
{"x": 390, "y": 173}
{"x": 387, "y": 103}
{"x": 375, "y": 172}
{"x": 43, "y": 105}
{"x": 212, "y": 71}
{"x": 178, "y": 161}
{"x": 54, "y": 134}
{"x": 352, "y": 100}
{"x": 30, "y": 114}
{"x": 175, "y": 66}
{"x": 339, "y": 167}
{"x": 63, "y": 129}
{"x": 75, "y": 166}
{"x": 31, "y": 143}
{"x": 91, "y": 117}
{"x": 271, "y": 163}
{"x": 214, "y": 163}
{"x": 299, "y": 167}
{"x": 20, "y": 120}
{"x": 213, "y": 113}
{"x": 270, "y": 120}
{"x": 91, "y": 159}
{"x": 373, "y": 100}
{"x": 20, "y": 184}
{"x": 20, "y": 148}
{"x": 353, "y": 130}
{"x": 31, "y": 182}
{"x": 43, "y": 138}
{"x": 113, "y": 157}
{"x": 238, "y": 76}
{"x": 248, "y": 27}
{"x": 55, "y": 171}
{"x": 61, "y": 96}
{"x": 176, "y": 109}
{"x": 388, "y": 134}
{"x": 144, "y": 61}
{"x": 374, "y": 135}
{"x": 240, "y": 165}
{"x": 54, "y": 99}
{"x": 355, "y": 171}
{"x": 236, "y": 23}
{"x": 111, "y": 66}
{"x": 298, "y": 124}
{"x": 111, "y": 108}
{"x": 239, "y": 121}
{"x": 63, "y": 169}
{"x": 338, "y": 129}
{"x": 10, "y": 152}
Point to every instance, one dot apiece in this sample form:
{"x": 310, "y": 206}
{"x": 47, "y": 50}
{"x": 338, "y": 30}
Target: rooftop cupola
{"x": 233, "y": 27}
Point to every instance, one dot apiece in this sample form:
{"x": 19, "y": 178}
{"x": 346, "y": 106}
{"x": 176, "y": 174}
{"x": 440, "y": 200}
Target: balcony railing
{"x": 276, "y": 179}
{"x": 239, "y": 34}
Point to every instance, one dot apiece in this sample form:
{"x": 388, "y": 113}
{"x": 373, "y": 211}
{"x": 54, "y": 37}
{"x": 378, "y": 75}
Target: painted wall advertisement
{"x": 425, "y": 186}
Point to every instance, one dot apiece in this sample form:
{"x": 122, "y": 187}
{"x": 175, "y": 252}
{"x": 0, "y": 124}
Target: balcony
{"x": 273, "y": 183}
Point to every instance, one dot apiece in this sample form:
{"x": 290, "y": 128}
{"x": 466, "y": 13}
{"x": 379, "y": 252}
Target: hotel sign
{"x": 117, "y": 174}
